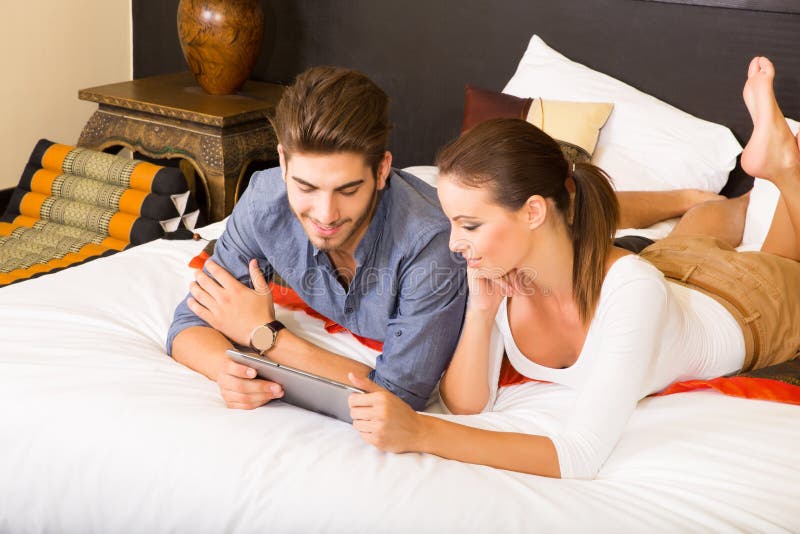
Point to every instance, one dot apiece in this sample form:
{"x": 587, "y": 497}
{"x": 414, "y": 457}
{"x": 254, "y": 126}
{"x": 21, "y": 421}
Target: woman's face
{"x": 491, "y": 238}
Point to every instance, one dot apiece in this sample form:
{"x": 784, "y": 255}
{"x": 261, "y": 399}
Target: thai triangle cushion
{"x": 73, "y": 204}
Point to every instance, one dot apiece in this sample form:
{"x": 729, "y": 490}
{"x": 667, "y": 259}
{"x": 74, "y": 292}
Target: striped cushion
{"x": 89, "y": 191}
{"x": 123, "y": 226}
{"x": 128, "y": 173}
{"x": 74, "y": 204}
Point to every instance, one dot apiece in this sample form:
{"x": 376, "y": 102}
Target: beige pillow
{"x": 574, "y": 123}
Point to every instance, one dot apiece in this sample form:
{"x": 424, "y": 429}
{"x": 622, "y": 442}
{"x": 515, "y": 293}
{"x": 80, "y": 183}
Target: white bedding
{"x": 101, "y": 432}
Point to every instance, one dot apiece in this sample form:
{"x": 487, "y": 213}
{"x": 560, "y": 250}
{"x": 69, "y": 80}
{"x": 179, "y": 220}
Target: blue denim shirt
{"x": 409, "y": 291}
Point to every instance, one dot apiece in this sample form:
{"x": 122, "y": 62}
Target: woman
{"x": 574, "y": 310}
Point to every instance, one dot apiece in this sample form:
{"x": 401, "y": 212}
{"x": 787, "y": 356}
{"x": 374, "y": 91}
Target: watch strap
{"x": 275, "y": 326}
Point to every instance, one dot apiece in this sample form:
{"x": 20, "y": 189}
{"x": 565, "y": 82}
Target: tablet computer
{"x": 306, "y": 390}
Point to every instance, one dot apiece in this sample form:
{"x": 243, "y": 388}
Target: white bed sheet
{"x": 101, "y": 432}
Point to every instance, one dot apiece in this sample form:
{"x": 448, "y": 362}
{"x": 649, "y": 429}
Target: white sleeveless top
{"x": 647, "y": 333}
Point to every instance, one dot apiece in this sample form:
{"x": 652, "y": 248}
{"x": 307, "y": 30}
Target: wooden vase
{"x": 220, "y": 40}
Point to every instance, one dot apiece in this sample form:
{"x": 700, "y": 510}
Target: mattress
{"x": 100, "y": 431}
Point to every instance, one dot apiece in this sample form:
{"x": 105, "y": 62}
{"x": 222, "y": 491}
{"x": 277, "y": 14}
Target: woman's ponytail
{"x": 595, "y": 214}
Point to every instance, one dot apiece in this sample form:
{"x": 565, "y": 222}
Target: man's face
{"x": 333, "y": 195}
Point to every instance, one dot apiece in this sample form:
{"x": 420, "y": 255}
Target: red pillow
{"x": 481, "y": 105}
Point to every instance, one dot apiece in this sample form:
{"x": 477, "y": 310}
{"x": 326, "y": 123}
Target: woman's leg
{"x": 773, "y": 153}
{"x": 723, "y": 219}
{"x": 781, "y": 238}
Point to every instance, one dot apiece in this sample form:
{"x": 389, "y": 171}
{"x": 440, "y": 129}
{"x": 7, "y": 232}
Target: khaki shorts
{"x": 760, "y": 290}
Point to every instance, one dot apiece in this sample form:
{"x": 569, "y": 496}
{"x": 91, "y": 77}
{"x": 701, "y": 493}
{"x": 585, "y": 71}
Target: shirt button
{"x": 348, "y": 309}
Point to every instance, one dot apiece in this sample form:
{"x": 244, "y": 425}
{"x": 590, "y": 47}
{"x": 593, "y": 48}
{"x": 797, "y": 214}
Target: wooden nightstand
{"x": 170, "y": 116}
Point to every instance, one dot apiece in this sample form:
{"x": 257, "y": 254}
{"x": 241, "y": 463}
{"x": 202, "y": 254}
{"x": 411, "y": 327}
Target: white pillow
{"x": 427, "y": 173}
{"x": 646, "y": 145}
{"x": 761, "y": 209}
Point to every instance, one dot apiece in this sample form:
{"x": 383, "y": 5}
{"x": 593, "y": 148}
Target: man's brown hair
{"x": 330, "y": 109}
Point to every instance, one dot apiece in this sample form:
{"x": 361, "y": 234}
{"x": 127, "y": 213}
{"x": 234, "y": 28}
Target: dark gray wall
{"x": 422, "y": 52}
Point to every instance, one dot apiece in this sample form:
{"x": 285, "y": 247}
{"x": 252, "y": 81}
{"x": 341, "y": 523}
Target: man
{"x": 359, "y": 242}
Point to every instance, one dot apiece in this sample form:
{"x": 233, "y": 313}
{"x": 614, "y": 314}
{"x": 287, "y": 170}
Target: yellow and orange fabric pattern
{"x": 74, "y": 204}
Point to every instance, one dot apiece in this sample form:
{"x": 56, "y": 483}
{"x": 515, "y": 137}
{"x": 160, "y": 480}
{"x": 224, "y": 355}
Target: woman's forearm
{"x": 535, "y": 455}
{"x": 465, "y": 386}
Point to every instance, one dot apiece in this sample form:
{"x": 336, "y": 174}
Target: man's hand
{"x": 229, "y": 306}
{"x": 240, "y": 389}
{"x": 382, "y": 418}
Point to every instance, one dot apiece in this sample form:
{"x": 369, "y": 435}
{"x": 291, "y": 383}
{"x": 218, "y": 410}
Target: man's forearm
{"x": 203, "y": 349}
{"x": 640, "y": 209}
{"x": 296, "y": 352}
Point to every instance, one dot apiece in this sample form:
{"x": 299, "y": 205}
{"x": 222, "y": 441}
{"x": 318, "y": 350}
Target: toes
{"x": 760, "y": 65}
{"x": 766, "y": 67}
{"x": 753, "y": 68}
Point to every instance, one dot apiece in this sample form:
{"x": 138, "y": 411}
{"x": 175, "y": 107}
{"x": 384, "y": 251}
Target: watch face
{"x": 262, "y": 338}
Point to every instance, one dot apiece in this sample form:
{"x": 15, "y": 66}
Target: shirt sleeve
{"x": 422, "y": 336}
{"x": 631, "y": 330}
{"x": 233, "y": 251}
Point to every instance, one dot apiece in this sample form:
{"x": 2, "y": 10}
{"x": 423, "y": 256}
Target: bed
{"x": 101, "y": 432}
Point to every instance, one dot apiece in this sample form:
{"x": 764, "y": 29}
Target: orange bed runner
{"x": 747, "y": 387}
{"x": 782, "y": 386}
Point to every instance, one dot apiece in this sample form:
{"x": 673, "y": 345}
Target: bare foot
{"x": 772, "y": 151}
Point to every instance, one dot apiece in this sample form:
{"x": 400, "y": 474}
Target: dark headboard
{"x": 423, "y": 52}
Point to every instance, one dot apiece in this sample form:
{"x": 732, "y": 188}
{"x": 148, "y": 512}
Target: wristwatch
{"x": 263, "y": 337}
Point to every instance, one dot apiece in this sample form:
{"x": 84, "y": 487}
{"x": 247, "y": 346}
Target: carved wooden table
{"x": 170, "y": 116}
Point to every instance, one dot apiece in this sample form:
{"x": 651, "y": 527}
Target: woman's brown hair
{"x": 514, "y": 160}
{"x": 330, "y": 109}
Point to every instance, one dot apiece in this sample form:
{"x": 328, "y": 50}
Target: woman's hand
{"x": 383, "y": 419}
{"x": 229, "y": 306}
{"x": 486, "y": 294}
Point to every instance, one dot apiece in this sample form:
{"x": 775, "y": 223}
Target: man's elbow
{"x": 192, "y": 346}
{"x": 178, "y": 349}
